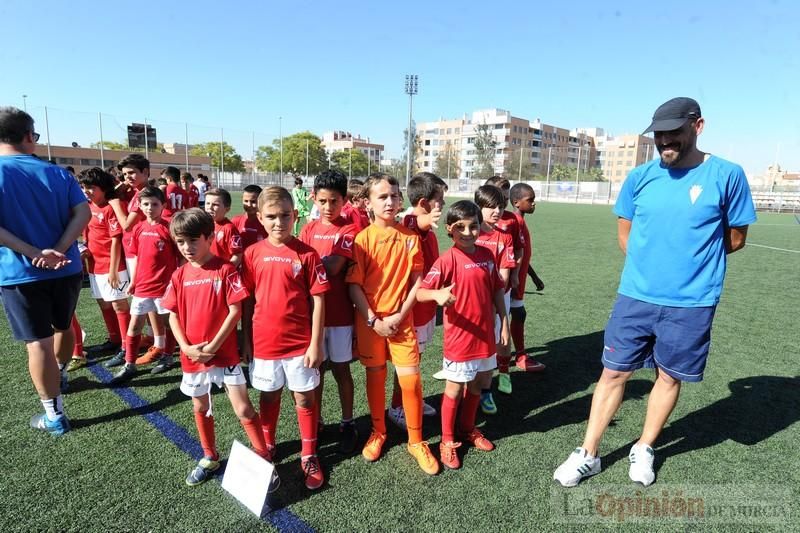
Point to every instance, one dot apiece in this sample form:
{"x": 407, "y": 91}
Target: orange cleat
{"x": 425, "y": 459}
{"x": 152, "y": 355}
{"x": 372, "y": 449}
{"x": 476, "y": 438}
{"x": 448, "y": 455}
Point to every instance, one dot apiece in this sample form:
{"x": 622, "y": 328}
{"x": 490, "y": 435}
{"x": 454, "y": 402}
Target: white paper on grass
{"x": 247, "y": 477}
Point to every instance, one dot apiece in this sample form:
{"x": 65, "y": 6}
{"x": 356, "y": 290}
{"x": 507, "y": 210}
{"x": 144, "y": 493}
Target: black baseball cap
{"x": 673, "y": 114}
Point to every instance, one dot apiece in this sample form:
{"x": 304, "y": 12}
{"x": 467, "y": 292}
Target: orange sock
{"x": 376, "y": 397}
{"x": 252, "y": 427}
{"x": 411, "y": 385}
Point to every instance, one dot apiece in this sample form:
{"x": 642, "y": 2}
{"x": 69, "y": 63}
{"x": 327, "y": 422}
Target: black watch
{"x": 371, "y": 321}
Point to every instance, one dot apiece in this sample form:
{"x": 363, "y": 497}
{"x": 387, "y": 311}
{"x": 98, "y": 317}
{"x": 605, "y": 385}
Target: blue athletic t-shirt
{"x": 676, "y": 253}
{"x": 36, "y": 201}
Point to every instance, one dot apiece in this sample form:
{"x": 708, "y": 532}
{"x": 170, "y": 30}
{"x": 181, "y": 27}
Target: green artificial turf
{"x": 115, "y": 471}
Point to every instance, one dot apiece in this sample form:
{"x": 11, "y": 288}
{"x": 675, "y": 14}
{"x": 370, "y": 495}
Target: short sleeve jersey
{"x": 176, "y": 200}
{"x": 36, "y": 202}
{"x": 383, "y": 261}
{"x": 250, "y": 229}
{"x": 527, "y": 250}
{"x": 130, "y": 205}
{"x": 500, "y": 245}
{"x": 156, "y": 258}
{"x": 192, "y": 196}
{"x": 676, "y": 252}
{"x": 508, "y": 224}
{"x": 357, "y": 217}
{"x": 200, "y": 296}
{"x": 201, "y": 187}
{"x": 336, "y": 238}
{"x": 102, "y": 228}
{"x": 469, "y": 322}
{"x": 227, "y": 241}
{"x": 282, "y": 279}
{"x": 424, "y": 312}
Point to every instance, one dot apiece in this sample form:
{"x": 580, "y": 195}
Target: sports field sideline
{"x": 122, "y": 470}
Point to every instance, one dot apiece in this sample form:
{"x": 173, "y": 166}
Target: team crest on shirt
{"x": 297, "y": 266}
{"x": 694, "y": 193}
{"x": 220, "y": 235}
{"x": 99, "y": 216}
{"x": 235, "y": 282}
{"x": 113, "y": 224}
{"x": 160, "y": 245}
{"x": 322, "y": 274}
{"x": 432, "y": 275}
{"x": 236, "y": 241}
{"x": 347, "y": 242}
{"x": 216, "y": 285}
{"x": 510, "y": 254}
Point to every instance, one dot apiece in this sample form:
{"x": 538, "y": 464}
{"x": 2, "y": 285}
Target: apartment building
{"x": 339, "y": 141}
{"x": 81, "y": 158}
{"x": 618, "y": 155}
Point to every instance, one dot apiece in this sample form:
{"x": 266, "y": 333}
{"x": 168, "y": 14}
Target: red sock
{"x": 449, "y": 409}
{"x": 77, "y": 351}
{"x": 307, "y": 420}
{"x": 376, "y": 398}
{"x": 469, "y": 408}
{"x": 518, "y": 335}
{"x": 502, "y": 363}
{"x": 124, "y": 319}
{"x": 112, "y": 326}
{"x": 205, "y": 427}
{"x": 411, "y": 385}
{"x": 169, "y": 346}
{"x": 269, "y": 419}
{"x": 254, "y": 432}
{"x": 132, "y": 344}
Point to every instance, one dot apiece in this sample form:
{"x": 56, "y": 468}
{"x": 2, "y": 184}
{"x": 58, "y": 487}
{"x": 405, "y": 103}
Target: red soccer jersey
{"x": 227, "y": 241}
{"x": 334, "y": 239}
{"x": 177, "y": 200}
{"x": 130, "y": 205}
{"x": 500, "y": 245}
{"x": 200, "y": 296}
{"x": 527, "y": 250}
{"x": 102, "y": 228}
{"x": 508, "y": 224}
{"x": 469, "y": 322}
{"x": 357, "y": 217}
{"x": 282, "y": 278}
{"x": 192, "y": 196}
{"x": 250, "y": 229}
{"x": 424, "y": 312}
{"x": 156, "y": 258}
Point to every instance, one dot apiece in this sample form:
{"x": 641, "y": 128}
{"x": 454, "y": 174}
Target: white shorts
{"x": 195, "y": 384}
{"x": 142, "y": 306}
{"x": 466, "y": 371}
{"x": 337, "y": 344}
{"x": 517, "y": 303}
{"x": 102, "y": 290}
{"x": 425, "y": 334}
{"x": 270, "y": 375}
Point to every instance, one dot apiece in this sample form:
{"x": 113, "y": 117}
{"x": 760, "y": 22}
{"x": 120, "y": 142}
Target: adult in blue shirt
{"x": 42, "y": 212}
{"x": 679, "y": 218}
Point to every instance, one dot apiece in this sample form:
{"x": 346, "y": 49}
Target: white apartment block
{"x": 339, "y": 141}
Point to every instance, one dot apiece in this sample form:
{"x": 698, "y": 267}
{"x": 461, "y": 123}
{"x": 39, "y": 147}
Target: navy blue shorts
{"x": 674, "y": 339}
{"x": 34, "y": 309}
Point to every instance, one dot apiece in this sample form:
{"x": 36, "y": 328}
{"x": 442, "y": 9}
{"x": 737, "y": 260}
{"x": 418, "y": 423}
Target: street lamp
{"x": 411, "y": 89}
{"x": 280, "y": 135}
{"x": 25, "y": 102}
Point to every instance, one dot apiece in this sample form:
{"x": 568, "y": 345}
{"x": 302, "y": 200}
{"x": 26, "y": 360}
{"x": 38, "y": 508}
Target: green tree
{"x": 112, "y": 145}
{"x": 561, "y": 172}
{"x": 446, "y": 164}
{"x": 511, "y": 169}
{"x": 213, "y": 149}
{"x": 416, "y": 144}
{"x": 592, "y": 174}
{"x": 485, "y": 146}
{"x": 397, "y": 169}
{"x": 268, "y": 158}
{"x": 341, "y": 161}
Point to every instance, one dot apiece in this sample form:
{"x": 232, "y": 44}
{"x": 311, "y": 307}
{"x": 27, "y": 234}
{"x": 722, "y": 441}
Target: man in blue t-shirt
{"x": 42, "y": 212}
{"x": 679, "y": 218}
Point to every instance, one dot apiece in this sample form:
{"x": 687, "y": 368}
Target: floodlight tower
{"x": 411, "y": 89}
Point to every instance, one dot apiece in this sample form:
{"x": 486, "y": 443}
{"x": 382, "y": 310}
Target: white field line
{"x": 772, "y": 248}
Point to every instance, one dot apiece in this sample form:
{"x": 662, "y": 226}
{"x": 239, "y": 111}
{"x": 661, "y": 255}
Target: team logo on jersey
{"x": 500, "y": 248}
{"x": 220, "y": 235}
{"x": 99, "y": 216}
{"x": 113, "y": 224}
{"x": 160, "y": 245}
{"x": 297, "y": 266}
{"x": 510, "y": 254}
{"x": 322, "y": 275}
{"x": 347, "y": 242}
{"x": 694, "y": 193}
{"x": 216, "y": 284}
{"x": 236, "y": 241}
{"x": 432, "y": 275}
{"x": 235, "y": 282}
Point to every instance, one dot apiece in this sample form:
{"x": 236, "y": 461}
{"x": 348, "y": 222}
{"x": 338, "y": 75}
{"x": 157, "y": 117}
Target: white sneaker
{"x": 440, "y": 375}
{"x": 398, "y": 416}
{"x": 428, "y": 410}
{"x": 577, "y": 466}
{"x": 641, "y": 470}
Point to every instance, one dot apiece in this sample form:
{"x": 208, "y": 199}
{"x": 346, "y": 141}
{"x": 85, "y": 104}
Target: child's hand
{"x": 392, "y": 322}
{"x": 445, "y": 296}
{"x": 195, "y": 351}
{"x": 113, "y": 278}
{"x": 383, "y": 328}
{"x": 436, "y": 215}
{"x": 504, "y": 341}
{"x": 312, "y": 358}
{"x": 129, "y": 290}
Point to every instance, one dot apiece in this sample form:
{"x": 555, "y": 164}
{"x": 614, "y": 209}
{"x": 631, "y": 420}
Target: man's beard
{"x": 675, "y": 156}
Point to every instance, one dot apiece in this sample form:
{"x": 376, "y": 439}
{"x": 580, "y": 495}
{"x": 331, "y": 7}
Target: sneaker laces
{"x": 310, "y": 467}
{"x": 449, "y": 450}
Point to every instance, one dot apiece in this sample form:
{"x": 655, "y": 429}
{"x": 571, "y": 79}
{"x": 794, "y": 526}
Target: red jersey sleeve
{"x": 235, "y": 290}
{"x": 437, "y": 276}
{"x": 316, "y": 275}
{"x": 170, "y": 299}
{"x": 507, "y": 259}
{"x": 133, "y": 241}
{"x": 247, "y": 270}
{"x": 114, "y": 227}
{"x": 344, "y": 245}
{"x": 417, "y": 260}
{"x": 234, "y": 240}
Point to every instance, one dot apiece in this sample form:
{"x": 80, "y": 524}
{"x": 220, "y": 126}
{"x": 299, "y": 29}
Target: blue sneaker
{"x": 117, "y": 360}
{"x": 205, "y": 467}
{"x": 56, "y": 427}
{"x": 487, "y": 404}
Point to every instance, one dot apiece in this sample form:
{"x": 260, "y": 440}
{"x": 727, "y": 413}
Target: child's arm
{"x": 504, "y": 273}
{"x": 191, "y": 351}
{"x": 236, "y": 259}
{"x": 228, "y": 326}
{"x": 394, "y": 320}
{"x": 443, "y": 296}
{"x": 334, "y": 264}
{"x": 359, "y": 299}
{"x": 113, "y": 275}
{"x": 313, "y": 357}
{"x": 426, "y": 221}
{"x": 131, "y": 275}
{"x": 500, "y": 307}
{"x": 248, "y": 307}
{"x": 126, "y": 220}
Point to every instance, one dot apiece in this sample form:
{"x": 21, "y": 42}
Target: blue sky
{"x": 324, "y": 65}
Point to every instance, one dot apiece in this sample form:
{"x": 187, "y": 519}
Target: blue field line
{"x": 282, "y": 519}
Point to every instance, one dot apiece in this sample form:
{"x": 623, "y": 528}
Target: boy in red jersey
{"x": 283, "y": 331}
{"x": 491, "y": 201}
{"x": 426, "y": 194}
{"x": 332, "y": 237}
{"x": 247, "y": 224}
{"x": 192, "y": 193}
{"x": 227, "y": 243}
{"x": 108, "y": 277}
{"x": 523, "y": 199}
{"x": 383, "y": 282}
{"x": 176, "y": 199}
{"x": 465, "y": 281}
{"x": 155, "y": 259}
{"x": 204, "y": 299}
{"x": 354, "y": 210}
